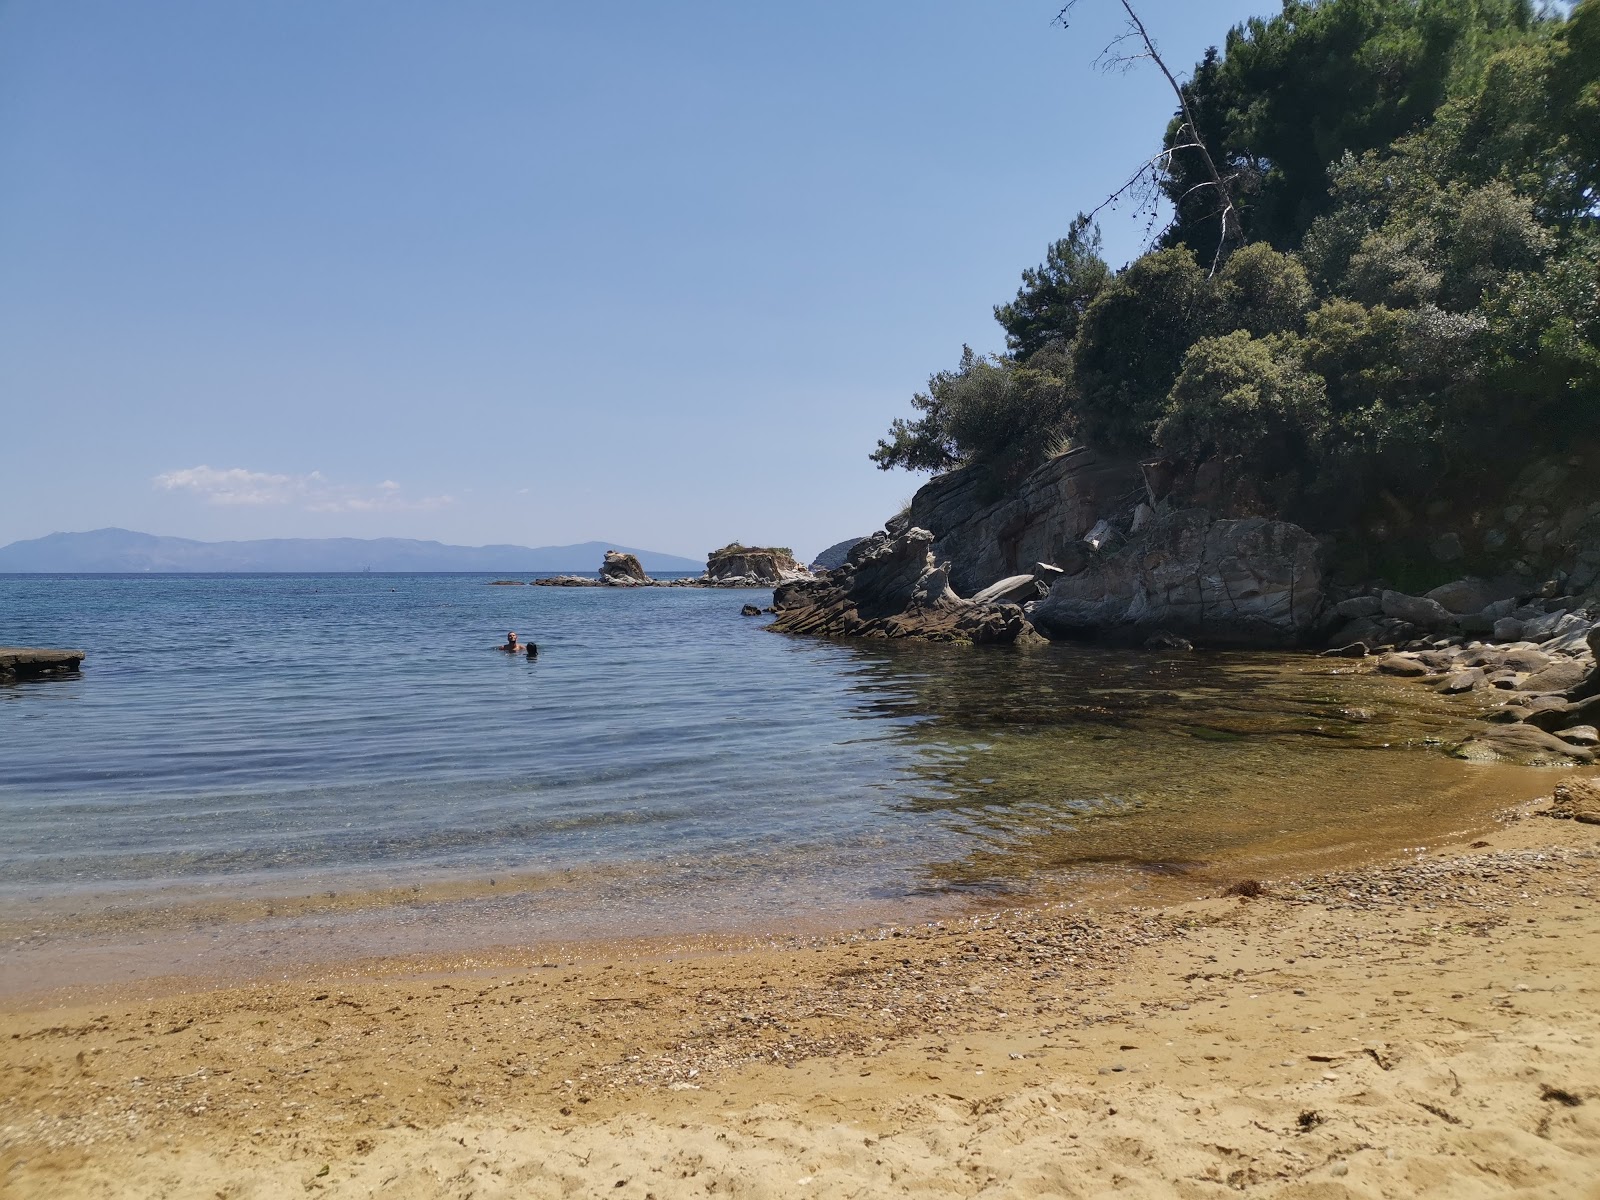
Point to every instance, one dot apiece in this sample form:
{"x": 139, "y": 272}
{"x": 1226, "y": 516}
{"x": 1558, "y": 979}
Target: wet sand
{"x": 1429, "y": 1026}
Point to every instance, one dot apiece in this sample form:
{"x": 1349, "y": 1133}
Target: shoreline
{"x": 219, "y": 935}
{"x": 1422, "y": 1011}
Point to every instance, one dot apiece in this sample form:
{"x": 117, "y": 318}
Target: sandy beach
{"x": 1426, "y": 1026}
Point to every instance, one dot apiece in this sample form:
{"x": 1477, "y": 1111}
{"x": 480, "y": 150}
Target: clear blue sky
{"x": 519, "y": 271}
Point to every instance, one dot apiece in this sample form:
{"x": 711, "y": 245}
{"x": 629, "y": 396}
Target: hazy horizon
{"x": 518, "y": 273}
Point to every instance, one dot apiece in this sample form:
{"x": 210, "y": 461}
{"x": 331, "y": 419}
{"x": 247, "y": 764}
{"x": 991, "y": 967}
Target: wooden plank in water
{"x": 27, "y": 662}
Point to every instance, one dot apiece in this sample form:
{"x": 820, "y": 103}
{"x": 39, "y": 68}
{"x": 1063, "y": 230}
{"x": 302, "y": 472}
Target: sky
{"x": 485, "y": 271}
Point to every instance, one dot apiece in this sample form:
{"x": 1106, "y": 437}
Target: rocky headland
{"x": 1090, "y": 547}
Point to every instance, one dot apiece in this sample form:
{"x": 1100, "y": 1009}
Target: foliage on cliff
{"x": 1419, "y": 186}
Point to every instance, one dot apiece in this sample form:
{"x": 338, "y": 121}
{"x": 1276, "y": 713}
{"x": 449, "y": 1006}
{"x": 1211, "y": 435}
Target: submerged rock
{"x": 1524, "y": 744}
{"x": 1247, "y": 582}
{"x": 27, "y": 662}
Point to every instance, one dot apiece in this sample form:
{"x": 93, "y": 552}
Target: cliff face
{"x": 986, "y": 539}
{"x": 1249, "y": 582}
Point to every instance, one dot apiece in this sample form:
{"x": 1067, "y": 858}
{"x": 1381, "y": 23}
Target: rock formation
{"x": 1246, "y": 582}
{"x": 623, "y": 570}
{"x": 890, "y": 587}
{"x": 987, "y": 537}
{"x": 26, "y": 662}
{"x": 752, "y": 566}
{"x": 1545, "y": 694}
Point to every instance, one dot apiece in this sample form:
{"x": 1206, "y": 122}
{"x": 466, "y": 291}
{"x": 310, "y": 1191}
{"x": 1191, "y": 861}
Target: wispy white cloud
{"x": 312, "y": 492}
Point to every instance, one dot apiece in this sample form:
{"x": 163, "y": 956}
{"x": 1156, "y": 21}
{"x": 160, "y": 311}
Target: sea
{"x": 257, "y": 770}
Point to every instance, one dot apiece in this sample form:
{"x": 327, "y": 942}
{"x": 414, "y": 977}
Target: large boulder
{"x": 986, "y": 536}
{"x": 1472, "y": 595}
{"x": 1246, "y": 582}
{"x": 1418, "y": 610}
{"x": 890, "y": 587}
{"x": 623, "y": 570}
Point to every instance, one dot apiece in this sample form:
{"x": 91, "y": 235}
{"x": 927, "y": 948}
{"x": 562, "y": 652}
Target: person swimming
{"x": 512, "y": 646}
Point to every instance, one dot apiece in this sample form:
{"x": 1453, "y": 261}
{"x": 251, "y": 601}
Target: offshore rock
{"x": 1247, "y": 582}
{"x": 752, "y": 566}
{"x": 623, "y": 570}
{"x": 28, "y": 662}
{"x": 890, "y": 587}
{"x": 986, "y": 536}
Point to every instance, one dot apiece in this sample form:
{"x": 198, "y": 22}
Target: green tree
{"x": 1131, "y": 344}
{"x": 988, "y": 410}
{"x": 1294, "y": 92}
{"x": 1054, "y": 295}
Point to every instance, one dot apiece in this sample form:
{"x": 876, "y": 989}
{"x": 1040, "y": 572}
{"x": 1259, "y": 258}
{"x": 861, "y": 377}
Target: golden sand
{"x": 1426, "y": 1027}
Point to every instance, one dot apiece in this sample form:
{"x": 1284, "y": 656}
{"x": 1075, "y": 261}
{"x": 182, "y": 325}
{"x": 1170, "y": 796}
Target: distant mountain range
{"x": 122, "y": 550}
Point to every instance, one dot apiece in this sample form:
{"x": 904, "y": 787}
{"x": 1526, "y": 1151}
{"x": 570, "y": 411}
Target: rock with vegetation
{"x": 737, "y": 565}
{"x": 1390, "y": 337}
{"x": 891, "y": 587}
{"x": 1247, "y": 582}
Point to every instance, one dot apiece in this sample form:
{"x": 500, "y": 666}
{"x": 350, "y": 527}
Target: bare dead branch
{"x": 1111, "y": 56}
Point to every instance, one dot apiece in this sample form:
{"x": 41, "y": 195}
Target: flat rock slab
{"x": 25, "y": 662}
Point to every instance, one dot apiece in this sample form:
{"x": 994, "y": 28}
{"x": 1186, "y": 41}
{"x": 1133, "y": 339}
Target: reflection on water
{"x": 1052, "y": 762}
{"x": 349, "y": 751}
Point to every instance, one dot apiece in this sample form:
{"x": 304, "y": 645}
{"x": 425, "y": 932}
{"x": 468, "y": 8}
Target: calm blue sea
{"x": 260, "y": 734}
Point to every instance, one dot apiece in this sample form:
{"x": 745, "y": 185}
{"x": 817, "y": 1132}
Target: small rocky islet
{"x": 733, "y": 566}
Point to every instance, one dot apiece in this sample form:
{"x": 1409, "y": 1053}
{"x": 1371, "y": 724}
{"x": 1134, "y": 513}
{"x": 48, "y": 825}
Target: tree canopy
{"x": 1418, "y": 288}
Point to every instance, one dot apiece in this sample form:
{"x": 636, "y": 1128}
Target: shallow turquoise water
{"x": 666, "y": 758}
